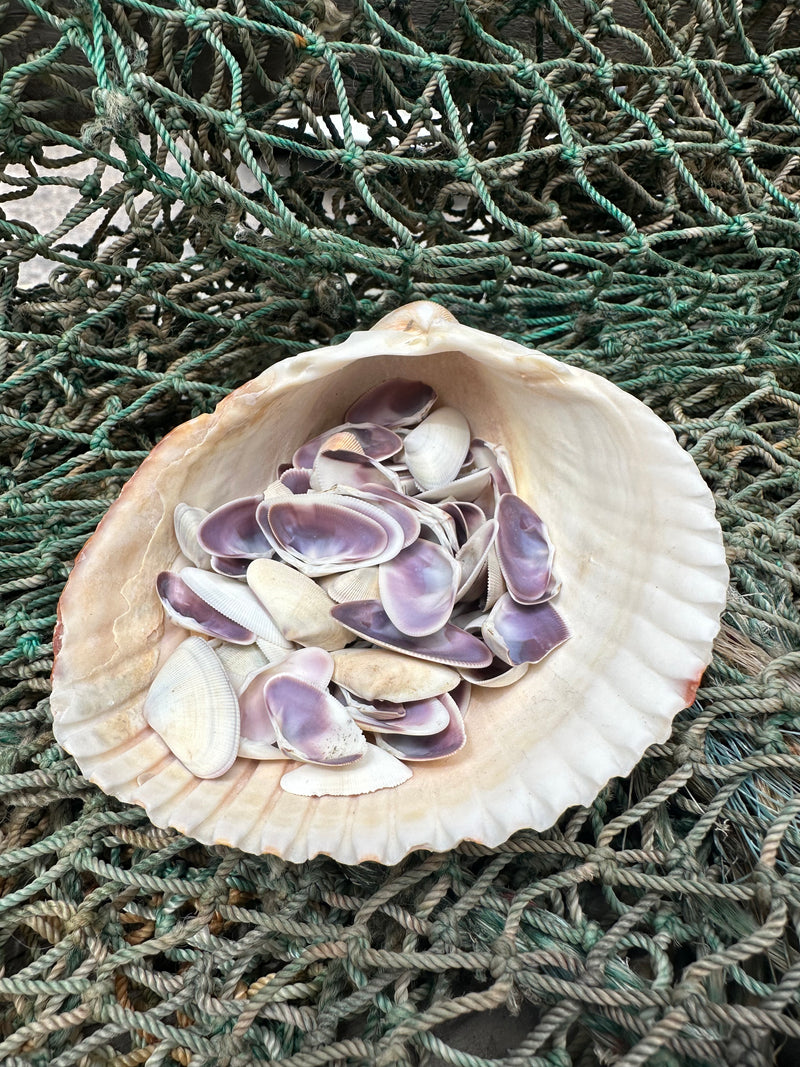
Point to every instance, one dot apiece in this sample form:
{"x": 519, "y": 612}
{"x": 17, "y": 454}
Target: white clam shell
{"x": 187, "y": 521}
{"x": 360, "y": 584}
{"x": 192, "y": 706}
{"x": 378, "y": 674}
{"x": 301, "y": 610}
{"x": 468, "y": 487}
{"x": 435, "y": 450}
{"x": 372, "y": 772}
{"x": 240, "y": 662}
{"x": 639, "y": 554}
{"x": 234, "y": 600}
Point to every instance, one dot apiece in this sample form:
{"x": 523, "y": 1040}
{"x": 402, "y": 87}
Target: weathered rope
{"x": 212, "y": 188}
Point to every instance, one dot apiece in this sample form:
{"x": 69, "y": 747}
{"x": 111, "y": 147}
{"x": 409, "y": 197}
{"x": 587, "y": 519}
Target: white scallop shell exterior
{"x": 637, "y": 547}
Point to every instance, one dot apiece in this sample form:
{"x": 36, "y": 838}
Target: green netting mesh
{"x": 207, "y": 189}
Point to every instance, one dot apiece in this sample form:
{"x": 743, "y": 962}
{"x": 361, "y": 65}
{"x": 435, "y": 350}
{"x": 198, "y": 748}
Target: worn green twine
{"x": 207, "y": 189}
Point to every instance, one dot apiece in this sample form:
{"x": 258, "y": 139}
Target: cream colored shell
{"x": 637, "y": 547}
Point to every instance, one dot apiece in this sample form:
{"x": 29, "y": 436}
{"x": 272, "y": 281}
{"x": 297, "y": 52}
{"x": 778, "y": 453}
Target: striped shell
{"x": 639, "y": 554}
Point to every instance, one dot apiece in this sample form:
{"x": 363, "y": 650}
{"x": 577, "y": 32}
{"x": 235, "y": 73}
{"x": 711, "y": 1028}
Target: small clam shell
{"x": 258, "y": 735}
{"x": 320, "y": 535}
{"x": 296, "y": 481}
{"x": 235, "y": 600}
{"x": 495, "y": 585}
{"x": 389, "y": 502}
{"x": 435, "y": 450}
{"x": 312, "y": 665}
{"x": 240, "y": 662}
{"x": 426, "y": 514}
{"x": 497, "y": 675}
{"x": 189, "y": 610}
{"x": 230, "y": 566}
{"x": 335, "y": 468}
{"x": 418, "y": 588}
{"x": 187, "y": 520}
{"x": 277, "y": 490}
{"x": 310, "y": 725}
{"x": 382, "y": 710}
{"x": 496, "y": 458}
{"x": 256, "y": 724}
{"x": 462, "y": 694}
{"x": 433, "y": 746}
{"x": 274, "y": 651}
{"x": 342, "y": 441}
{"x": 421, "y": 718}
{"x": 448, "y": 645}
{"x": 378, "y": 674}
{"x": 397, "y": 402}
{"x": 257, "y": 739}
{"x": 360, "y": 584}
{"x": 375, "y": 770}
{"x": 301, "y": 610}
{"x": 192, "y": 706}
{"x": 523, "y": 633}
{"x": 371, "y": 440}
{"x": 467, "y": 516}
{"x": 321, "y": 532}
{"x": 468, "y": 487}
{"x": 472, "y": 558}
{"x": 259, "y": 750}
{"x": 232, "y": 530}
{"x": 524, "y": 550}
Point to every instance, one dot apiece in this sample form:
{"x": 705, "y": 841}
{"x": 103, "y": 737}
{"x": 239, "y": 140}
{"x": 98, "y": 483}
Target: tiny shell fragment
{"x": 375, "y": 770}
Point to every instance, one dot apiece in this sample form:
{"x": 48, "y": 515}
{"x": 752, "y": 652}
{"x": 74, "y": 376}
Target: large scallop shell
{"x": 638, "y": 551}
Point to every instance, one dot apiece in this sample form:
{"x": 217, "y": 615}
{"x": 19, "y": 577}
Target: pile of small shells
{"x": 389, "y": 567}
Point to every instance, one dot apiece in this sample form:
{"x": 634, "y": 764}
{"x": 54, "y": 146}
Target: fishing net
{"x": 191, "y": 192}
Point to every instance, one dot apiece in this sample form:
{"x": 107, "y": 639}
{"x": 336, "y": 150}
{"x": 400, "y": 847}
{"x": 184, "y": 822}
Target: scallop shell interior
{"x": 639, "y": 553}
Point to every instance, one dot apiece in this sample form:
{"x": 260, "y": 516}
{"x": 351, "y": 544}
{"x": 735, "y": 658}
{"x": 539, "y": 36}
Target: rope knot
{"x": 135, "y": 177}
{"x": 604, "y": 73}
{"x": 353, "y": 159}
{"x": 663, "y": 146}
{"x": 29, "y": 644}
{"x": 99, "y": 441}
{"x": 525, "y": 69}
{"x": 572, "y": 154}
{"x": 763, "y": 67}
{"x": 235, "y": 126}
{"x": 198, "y": 20}
{"x": 605, "y": 859}
{"x": 739, "y": 227}
{"x": 736, "y": 146}
{"x": 16, "y": 505}
{"x": 689, "y": 752}
{"x": 465, "y": 168}
{"x": 90, "y": 187}
{"x": 636, "y": 243}
{"x": 312, "y": 44}
{"x": 505, "y": 959}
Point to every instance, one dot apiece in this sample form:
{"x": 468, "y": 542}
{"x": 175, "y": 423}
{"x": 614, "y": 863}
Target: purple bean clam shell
{"x": 450, "y": 645}
{"x": 189, "y": 610}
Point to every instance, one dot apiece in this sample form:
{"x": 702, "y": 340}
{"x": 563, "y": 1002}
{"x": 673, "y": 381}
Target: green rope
{"x": 189, "y": 193}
